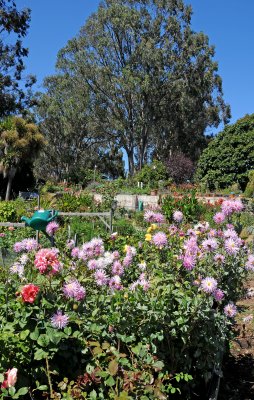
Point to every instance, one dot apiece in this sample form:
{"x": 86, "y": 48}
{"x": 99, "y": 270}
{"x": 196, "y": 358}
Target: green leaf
{"x": 110, "y": 381}
{"x": 12, "y": 391}
{"x": 24, "y": 334}
{"x": 113, "y": 367}
{"x": 43, "y": 340}
{"x": 42, "y": 387}
{"x": 40, "y": 354}
{"x": 21, "y": 392}
{"x": 35, "y": 334}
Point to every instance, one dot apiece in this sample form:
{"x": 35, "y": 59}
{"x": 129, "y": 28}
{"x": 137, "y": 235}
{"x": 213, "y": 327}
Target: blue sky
{"x": 228, "y": 24}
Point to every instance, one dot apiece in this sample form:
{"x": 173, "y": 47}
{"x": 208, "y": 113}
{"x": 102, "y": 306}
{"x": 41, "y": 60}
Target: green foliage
{"x": 151, "y": 174}
{"x": 7, "y": 212}
{"x": 229, "y": 156}
{"x": 187, "y": 204}
{"x": 249, "y": 191}
{"x": 71, "y": 203}
{"x": 14, "y": 25}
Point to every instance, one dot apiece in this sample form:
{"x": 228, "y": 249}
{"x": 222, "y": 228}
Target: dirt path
{"x": 238, "y": 368}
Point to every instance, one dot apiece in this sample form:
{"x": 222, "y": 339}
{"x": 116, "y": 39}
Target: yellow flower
{"x": 148, "y": 237}
{"x": 126, "y": 247}
{"x": 198, "y": 232}
{"x": 154, "y": 226}
{"x": 149, "y": 229}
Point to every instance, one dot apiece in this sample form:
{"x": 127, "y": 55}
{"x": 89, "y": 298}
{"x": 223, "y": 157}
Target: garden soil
{"x": 237, "y": 382}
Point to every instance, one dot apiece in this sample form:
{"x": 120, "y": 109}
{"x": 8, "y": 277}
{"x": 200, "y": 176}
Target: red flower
{"x": 29, "y": 293}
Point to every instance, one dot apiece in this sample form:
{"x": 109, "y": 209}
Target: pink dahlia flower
{"x": 160, "y": 239}
{"x": 219, "y": 217}
{"x": 46, "y": 261}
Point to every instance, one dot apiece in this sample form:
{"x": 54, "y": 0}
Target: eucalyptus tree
{"x": 64, "y": 116}
{"x": 153, "y": 82}
{"x": 20, "y": 141}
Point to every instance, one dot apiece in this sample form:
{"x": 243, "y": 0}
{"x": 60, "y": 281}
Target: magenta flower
{"x": 160, "y": 239}
{"x": 52, "y": 228}
{"x": 230, "y": 310}
{"x": 101, "y": 277}
{"x": 117, "y": 268}
{"x": 189, "y": 262}
{"x": 219, "y": 218}
{"x": 218, "y": 294}
{"x": 59, "y": 320}
{"x": 208, "y": 284}
{"x": 178, "y": 216}
{"x": 210, "y": 244}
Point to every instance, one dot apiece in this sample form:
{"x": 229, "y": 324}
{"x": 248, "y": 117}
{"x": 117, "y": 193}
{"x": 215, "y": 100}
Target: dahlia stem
{"x": 49, "y": 379}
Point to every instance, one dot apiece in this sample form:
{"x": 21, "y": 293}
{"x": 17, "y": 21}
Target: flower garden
{"x": 140, "y": 316}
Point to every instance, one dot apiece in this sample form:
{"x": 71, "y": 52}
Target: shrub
{"x": 180, "y": 168}
{"x": 8, "y": 212}
{"x": 249, "y": 191}
{"x": 187, "y": 204}
{"x": 229, "y": 156}
{"x": 151, "y": 174}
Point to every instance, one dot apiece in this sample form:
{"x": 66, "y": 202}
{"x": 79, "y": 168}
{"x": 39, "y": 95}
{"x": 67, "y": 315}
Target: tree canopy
{"x": 13, "y": 27}
{"x": 153, "y": 84}
{"x": 229, "y": 156}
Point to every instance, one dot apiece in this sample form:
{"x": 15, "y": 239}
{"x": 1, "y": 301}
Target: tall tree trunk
{"x": 131, "y": 165}
{"x": 8, "y": 189}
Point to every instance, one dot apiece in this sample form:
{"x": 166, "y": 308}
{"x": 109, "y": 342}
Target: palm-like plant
{"x": 19, "y": 141}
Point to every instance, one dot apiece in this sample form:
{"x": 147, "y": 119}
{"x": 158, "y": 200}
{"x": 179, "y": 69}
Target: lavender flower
{"x": 18, "y": 269}
{"x": 219, "y": 258}
{"x": 59, "y": 320}
{"x": 210, "y": 244}
{"x": 115, "y": 283}
{"x": 250, "y": 263}
{"x": 231, "y": 246}
{"x": 101, "y": 277}
{"x": 178, "y": 216}
{"x": 219, "y": 218}
{"x": 92, "y": 264}
{"x": 73, "y": 289}
{"x": 160, "y": 239}
{"x": 189, "y": 262}
{"x": 117, "y": 268}
{"x": 52, "y": 228}
{"x": 230, "y": 310}
{"x": 218, "y": 294}
{"x": 208, "y": 284}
